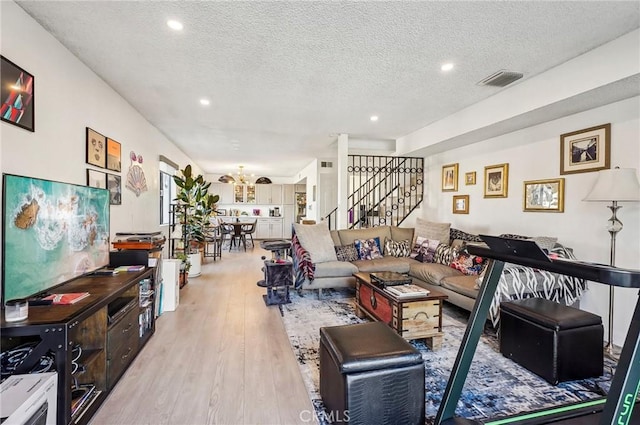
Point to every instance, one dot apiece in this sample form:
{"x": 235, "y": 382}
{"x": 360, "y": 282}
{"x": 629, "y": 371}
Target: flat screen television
{"x": 52, "y": 232}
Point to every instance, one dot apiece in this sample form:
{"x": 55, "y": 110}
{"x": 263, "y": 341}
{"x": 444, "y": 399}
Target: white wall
{"x": 534, "y": 154}
{"x": 311, "y": 173}
{"x": 68, "y": 98}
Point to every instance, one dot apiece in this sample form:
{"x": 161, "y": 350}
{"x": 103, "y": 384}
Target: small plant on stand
{"x": 185, "y": 266}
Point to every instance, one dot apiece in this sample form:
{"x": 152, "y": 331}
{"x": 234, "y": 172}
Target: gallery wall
{"x": 534, "y": 154}
{"x": 68, "y": 98}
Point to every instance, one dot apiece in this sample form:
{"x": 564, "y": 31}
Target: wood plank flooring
{"x": 222, "y": 357}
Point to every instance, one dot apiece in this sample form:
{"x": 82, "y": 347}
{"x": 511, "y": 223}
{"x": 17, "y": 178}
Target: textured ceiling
{"x": 285, "y": 77}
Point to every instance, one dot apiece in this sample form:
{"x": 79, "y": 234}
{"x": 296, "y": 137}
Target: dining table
{"x": 237, "y": 236}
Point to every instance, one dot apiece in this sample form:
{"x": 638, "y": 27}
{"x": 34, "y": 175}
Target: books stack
{"x": 136, "y": 268}
{"x": 68, "y": 298}
{"x": 407, "y": 291}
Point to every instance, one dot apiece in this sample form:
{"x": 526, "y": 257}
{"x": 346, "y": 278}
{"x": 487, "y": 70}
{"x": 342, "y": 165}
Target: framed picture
{"x": 113, "y": 155}
{"x": 96, "y": 179}
{"x": 461, "y": 204}
{"x": 221, "y": 211}
{"x": 450, "y": 177}
{"x": 496, "y": 181}
{"x": 544, "y": 195}
{"x": 114, "y": 184}
{"x": 470, "y": 178}
{"x": 585, "y": 150}
{"x": 17, "y": 94}
{"x": 96, "y": 148}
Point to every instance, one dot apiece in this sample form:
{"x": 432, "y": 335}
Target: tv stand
{"x": 91, "y": 343}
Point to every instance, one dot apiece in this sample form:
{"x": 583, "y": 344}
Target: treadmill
{"x": 620, "y": 404}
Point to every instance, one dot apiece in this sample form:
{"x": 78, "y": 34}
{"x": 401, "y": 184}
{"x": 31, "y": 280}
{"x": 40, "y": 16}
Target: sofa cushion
{"x": 346, "y": 253}
{"x": 431, "y": 272}
{"x": 385, "y": 264}
{"x": 402, "y": 233}
{"x": 397, "y": 248}
{"x": 432, "y": 230}
{"x": 424, "y": 249}
{"x": 465, "y": 285}
{"x": 368, "y": 249}
{"x": 350, "y": 235}
{"x": 335, "y": 236}
{"x": 335, "y": 269}
{"x": 316, "y": 239}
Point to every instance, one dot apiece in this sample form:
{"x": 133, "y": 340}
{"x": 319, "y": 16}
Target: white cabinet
{"x": 269, "y": 228}
{"x": 244, "y": 194}
{"x": 269, "y": 194}
{"x": 224, "y": 190}
{"x": 170, "y": 284}
{"x": 288, "y": 194}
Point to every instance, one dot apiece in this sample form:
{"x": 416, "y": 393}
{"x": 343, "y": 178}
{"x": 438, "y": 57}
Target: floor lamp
{"x": 614, "y": 185}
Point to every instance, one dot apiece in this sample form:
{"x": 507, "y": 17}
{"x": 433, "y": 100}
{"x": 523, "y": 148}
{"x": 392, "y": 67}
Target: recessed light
{"x": 174, "y": 25}
{"x": 447, "y": 67}
{"x": 374, "y": 118}
{"x": 205, "y": 102}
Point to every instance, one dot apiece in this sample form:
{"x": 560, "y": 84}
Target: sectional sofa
{"x": 327, "y": 259}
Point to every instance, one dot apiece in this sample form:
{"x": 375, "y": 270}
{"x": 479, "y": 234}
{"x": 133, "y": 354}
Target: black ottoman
{"x": 556, "y": 342}
{"x": 370, "y": 375}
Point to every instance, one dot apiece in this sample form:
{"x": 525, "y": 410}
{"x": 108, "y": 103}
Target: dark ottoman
{"x": 557, "y": 342}
{"x": 370, "y": 375}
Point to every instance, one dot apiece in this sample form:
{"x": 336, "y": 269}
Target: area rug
{"x": 495, "y": 386}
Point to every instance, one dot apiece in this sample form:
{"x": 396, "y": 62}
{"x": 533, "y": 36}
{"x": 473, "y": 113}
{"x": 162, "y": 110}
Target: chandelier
{"x": 241, "y": 177}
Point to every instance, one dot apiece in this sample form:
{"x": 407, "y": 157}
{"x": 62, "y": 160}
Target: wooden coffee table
{"x": 415, "y": 318}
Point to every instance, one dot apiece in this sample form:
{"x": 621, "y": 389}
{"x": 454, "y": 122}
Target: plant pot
{"x": 182, "y": 279}
{"x": 196, "y": 265}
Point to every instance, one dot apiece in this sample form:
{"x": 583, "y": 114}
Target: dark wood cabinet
{"x": 92, "y": 342}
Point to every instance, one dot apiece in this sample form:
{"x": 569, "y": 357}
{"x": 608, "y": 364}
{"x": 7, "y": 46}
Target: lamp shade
{"x": 617, "y": 184}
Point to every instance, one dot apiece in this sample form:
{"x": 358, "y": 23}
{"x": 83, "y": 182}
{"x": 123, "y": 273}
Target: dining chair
{"x": 248, "y": 230}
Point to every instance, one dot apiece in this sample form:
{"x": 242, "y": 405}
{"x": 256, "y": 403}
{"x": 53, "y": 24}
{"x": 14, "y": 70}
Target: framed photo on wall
{"x": 221, "y": 211}
{"x": 18, "y": 95}
{"x": 585, "y": 150}
{"x": 113, "y": 155}
{"x": 96, "y": 179}
{"x": 96, "y": 148}
{"x": 496, "y": 181}
{"x": 461, "y": 204}
{"x": 114, "y": 184}
{"x": 544, "y": 195}
{"x": 450, "y": 177}
{"x": 470, "y": 178}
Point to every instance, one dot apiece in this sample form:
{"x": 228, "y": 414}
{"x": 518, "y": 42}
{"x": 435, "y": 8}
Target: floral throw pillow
{"x": 346, "y": 253}
{"x": 468, "y": 264}
{"x": 424, "y": 249}
{"x": 397, "y": 248}
{"x": 368, "y": 249}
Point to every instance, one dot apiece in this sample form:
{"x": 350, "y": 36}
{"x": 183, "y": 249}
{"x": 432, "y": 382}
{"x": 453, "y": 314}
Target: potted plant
{"x": 196, "y": 206}
{"x": 185, "y": 266}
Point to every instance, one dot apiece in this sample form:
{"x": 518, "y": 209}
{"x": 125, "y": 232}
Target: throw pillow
{"x": 468, "y": 264}
{"x": 546, "y": 242}
{"x": 445, "y": 254}
{"x": 316, "y": 239}
{"x": 512, "y": 236}
{"x": 463, "y": 236}
{"x": 346, "y": 253}
{"x": 424, "y": 250}
{"x": 368, "y": 249}
{"x": 397, "y": 248}
{"x": 432, "y": 230}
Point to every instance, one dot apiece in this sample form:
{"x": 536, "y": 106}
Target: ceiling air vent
{"x": 326, "y": 164}
{"x": 501, "y": 78}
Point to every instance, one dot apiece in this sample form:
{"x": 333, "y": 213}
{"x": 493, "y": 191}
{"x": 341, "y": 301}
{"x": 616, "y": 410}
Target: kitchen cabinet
{"x": 288, "y": 194}
{"x": 224, "y": 190}
{"x": 244, "y": 194}
{"x": 269, "y": 228}
{"x": 269, "y": 194}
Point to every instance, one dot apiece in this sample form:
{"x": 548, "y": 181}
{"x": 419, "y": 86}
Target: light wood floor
{"x": 222, "y": 357}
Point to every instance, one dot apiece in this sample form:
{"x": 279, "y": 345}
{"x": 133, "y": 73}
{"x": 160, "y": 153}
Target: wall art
{"x": 470, "y": 178}
{"x": 461, "y": 204}
{"x": 136, "y": 181}
{"x": 96, "y": 148}
{"x": 113, "y": 155}
{"x": 450, "y": 177}
{"x": 544, "y": 195}
{"x": 96, "y": 179}
{"x": 114, "y": 184}
{"x": 585, "y": 150}
{"x": 496, "y": 181}
{"x": 17, "y": 94}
